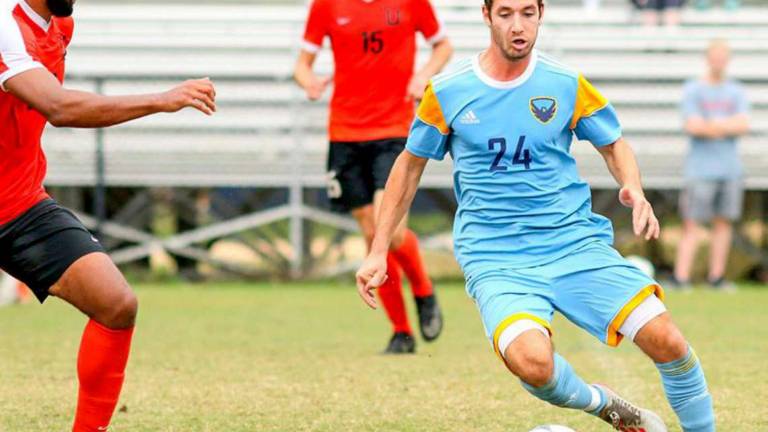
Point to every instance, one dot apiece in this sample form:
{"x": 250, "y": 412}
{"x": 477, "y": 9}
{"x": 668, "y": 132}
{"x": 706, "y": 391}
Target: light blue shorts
{"x": 594, "y": 287}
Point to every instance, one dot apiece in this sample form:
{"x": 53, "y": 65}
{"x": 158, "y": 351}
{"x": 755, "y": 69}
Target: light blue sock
{"x": 568, "y": 390}
{"x": 686, "y": 390}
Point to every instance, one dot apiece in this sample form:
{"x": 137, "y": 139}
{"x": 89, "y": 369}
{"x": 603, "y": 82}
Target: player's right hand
{"x": 316, "y": 87}
{"x": 372, "y": 274}
{"x": 199, "y": 94}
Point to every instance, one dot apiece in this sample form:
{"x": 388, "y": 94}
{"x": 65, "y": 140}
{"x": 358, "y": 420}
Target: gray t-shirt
{"x": 713, "y": 158}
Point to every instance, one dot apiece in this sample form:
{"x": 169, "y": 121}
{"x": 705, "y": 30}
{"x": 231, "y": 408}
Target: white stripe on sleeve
{"x": 310, "y": 47}
{"x": 439, "y": 36}
{"x": 13, "y": 52}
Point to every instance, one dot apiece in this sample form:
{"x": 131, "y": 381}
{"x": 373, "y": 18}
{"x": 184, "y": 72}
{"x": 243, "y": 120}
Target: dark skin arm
{"x": 62, "y": 107}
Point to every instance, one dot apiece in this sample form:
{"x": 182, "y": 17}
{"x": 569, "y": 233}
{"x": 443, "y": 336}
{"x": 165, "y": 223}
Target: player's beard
{"x": 60, "y": 8}
{"x": 511, "y": 53}
{"x": 514, "y": 55}
{"x": 506, "y": 46}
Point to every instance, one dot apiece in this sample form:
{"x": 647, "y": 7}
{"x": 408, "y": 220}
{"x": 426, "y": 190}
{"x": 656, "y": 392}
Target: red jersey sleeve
{"x": 317, "y": 26}
{"x": 427, "y": 22}
{"x": 17, "y": 53}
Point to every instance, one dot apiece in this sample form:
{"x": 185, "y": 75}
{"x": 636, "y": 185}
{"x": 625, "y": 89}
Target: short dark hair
{"x": 489, "y": 4}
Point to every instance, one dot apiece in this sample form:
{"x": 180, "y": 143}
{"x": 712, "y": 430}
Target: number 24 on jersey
{"x": 522, "y": 155}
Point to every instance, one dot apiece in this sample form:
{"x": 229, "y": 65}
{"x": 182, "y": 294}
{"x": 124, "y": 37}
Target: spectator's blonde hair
{"x": 718, "y": 43}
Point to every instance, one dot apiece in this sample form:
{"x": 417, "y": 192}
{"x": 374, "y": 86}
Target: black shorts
{"x": 356, "y": 170}
{"x": 40, "y": 245}
{"x": 664, "y": 4}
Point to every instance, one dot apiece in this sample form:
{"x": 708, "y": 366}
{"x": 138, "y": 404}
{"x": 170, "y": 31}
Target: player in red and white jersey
{"x": 41, "y": 243}
{"x": 375, "y": 87}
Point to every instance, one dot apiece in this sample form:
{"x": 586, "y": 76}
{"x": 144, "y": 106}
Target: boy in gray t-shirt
{"x": 715, "y": 110}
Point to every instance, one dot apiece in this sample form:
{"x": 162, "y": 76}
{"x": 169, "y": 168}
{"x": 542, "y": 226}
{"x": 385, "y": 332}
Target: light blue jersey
{"x": 521, "y": 200}
{"x": 525, "y": 234}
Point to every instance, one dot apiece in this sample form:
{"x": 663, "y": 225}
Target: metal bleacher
{"x": 263, "y": 120}
{"x": 266, "y": 135}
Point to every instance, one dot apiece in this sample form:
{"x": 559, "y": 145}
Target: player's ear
{"x": 486, "y": 15}
{"x": 541, "y": 12}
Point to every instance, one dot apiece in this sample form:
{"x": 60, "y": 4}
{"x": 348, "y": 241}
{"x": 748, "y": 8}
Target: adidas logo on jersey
{"x": 469, "y": 118}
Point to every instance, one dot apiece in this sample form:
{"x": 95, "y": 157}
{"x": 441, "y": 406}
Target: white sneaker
{"x": 626, "y": 417}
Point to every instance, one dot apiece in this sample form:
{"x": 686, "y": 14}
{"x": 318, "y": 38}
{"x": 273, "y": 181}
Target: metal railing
{"x": 303, "y": 167}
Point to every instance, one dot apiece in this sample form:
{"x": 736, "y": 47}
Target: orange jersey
{"x": 374, "y": 50}
{"x": 27, "y": 41}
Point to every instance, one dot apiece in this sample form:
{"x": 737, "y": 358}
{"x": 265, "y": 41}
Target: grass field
{"x": 294, "y": 357}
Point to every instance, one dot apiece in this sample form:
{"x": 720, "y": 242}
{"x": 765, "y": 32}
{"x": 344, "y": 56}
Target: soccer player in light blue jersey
{"x": 524, "y": 232}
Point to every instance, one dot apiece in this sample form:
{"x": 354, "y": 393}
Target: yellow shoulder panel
{"x": 588, "y": 100}
{"x": 431, "y": 113}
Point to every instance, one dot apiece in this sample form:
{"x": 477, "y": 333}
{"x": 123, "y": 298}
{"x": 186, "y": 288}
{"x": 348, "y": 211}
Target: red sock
{"x": 409, "y": 258}
{"x": 101, "y": 370}
{"x": 391, "y": 295}
{"x": 22, "y": 292}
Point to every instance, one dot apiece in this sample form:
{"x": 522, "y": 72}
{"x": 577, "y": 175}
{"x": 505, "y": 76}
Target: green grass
{"x": 296, "y": 357}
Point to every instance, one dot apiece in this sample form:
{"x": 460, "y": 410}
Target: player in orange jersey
{"x": 42, "y": 244}
{"x": 375, "y": 87}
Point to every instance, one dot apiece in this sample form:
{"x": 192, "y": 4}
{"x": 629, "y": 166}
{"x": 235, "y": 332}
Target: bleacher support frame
{"x": 295, "y": 179}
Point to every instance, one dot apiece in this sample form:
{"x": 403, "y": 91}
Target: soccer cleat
{"x": 626, "y": 417}
{"x": 401, "y": 343}
{"x": 679, "y": 285}
{"x": 430, "y": 317}
{"x": 722, "y": 285}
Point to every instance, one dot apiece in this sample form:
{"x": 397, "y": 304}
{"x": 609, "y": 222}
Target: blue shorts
{"x": 594, "y": 287}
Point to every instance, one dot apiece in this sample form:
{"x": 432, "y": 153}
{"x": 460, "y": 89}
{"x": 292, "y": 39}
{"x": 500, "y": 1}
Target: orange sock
{"x": 391, "y": 295}
{"x": 409, "y": 258}
{"x": 101, "y": 370}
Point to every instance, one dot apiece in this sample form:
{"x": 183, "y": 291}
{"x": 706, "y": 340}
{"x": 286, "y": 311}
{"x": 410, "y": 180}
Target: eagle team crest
{"x": 544, "y": 108}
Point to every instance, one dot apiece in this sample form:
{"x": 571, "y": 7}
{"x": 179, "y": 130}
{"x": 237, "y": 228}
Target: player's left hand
{"x": 416, "y": 88}
{"x": 372, "y": 274}
{"x": 643, "y": 218}
{"x": 199, "y": 94}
